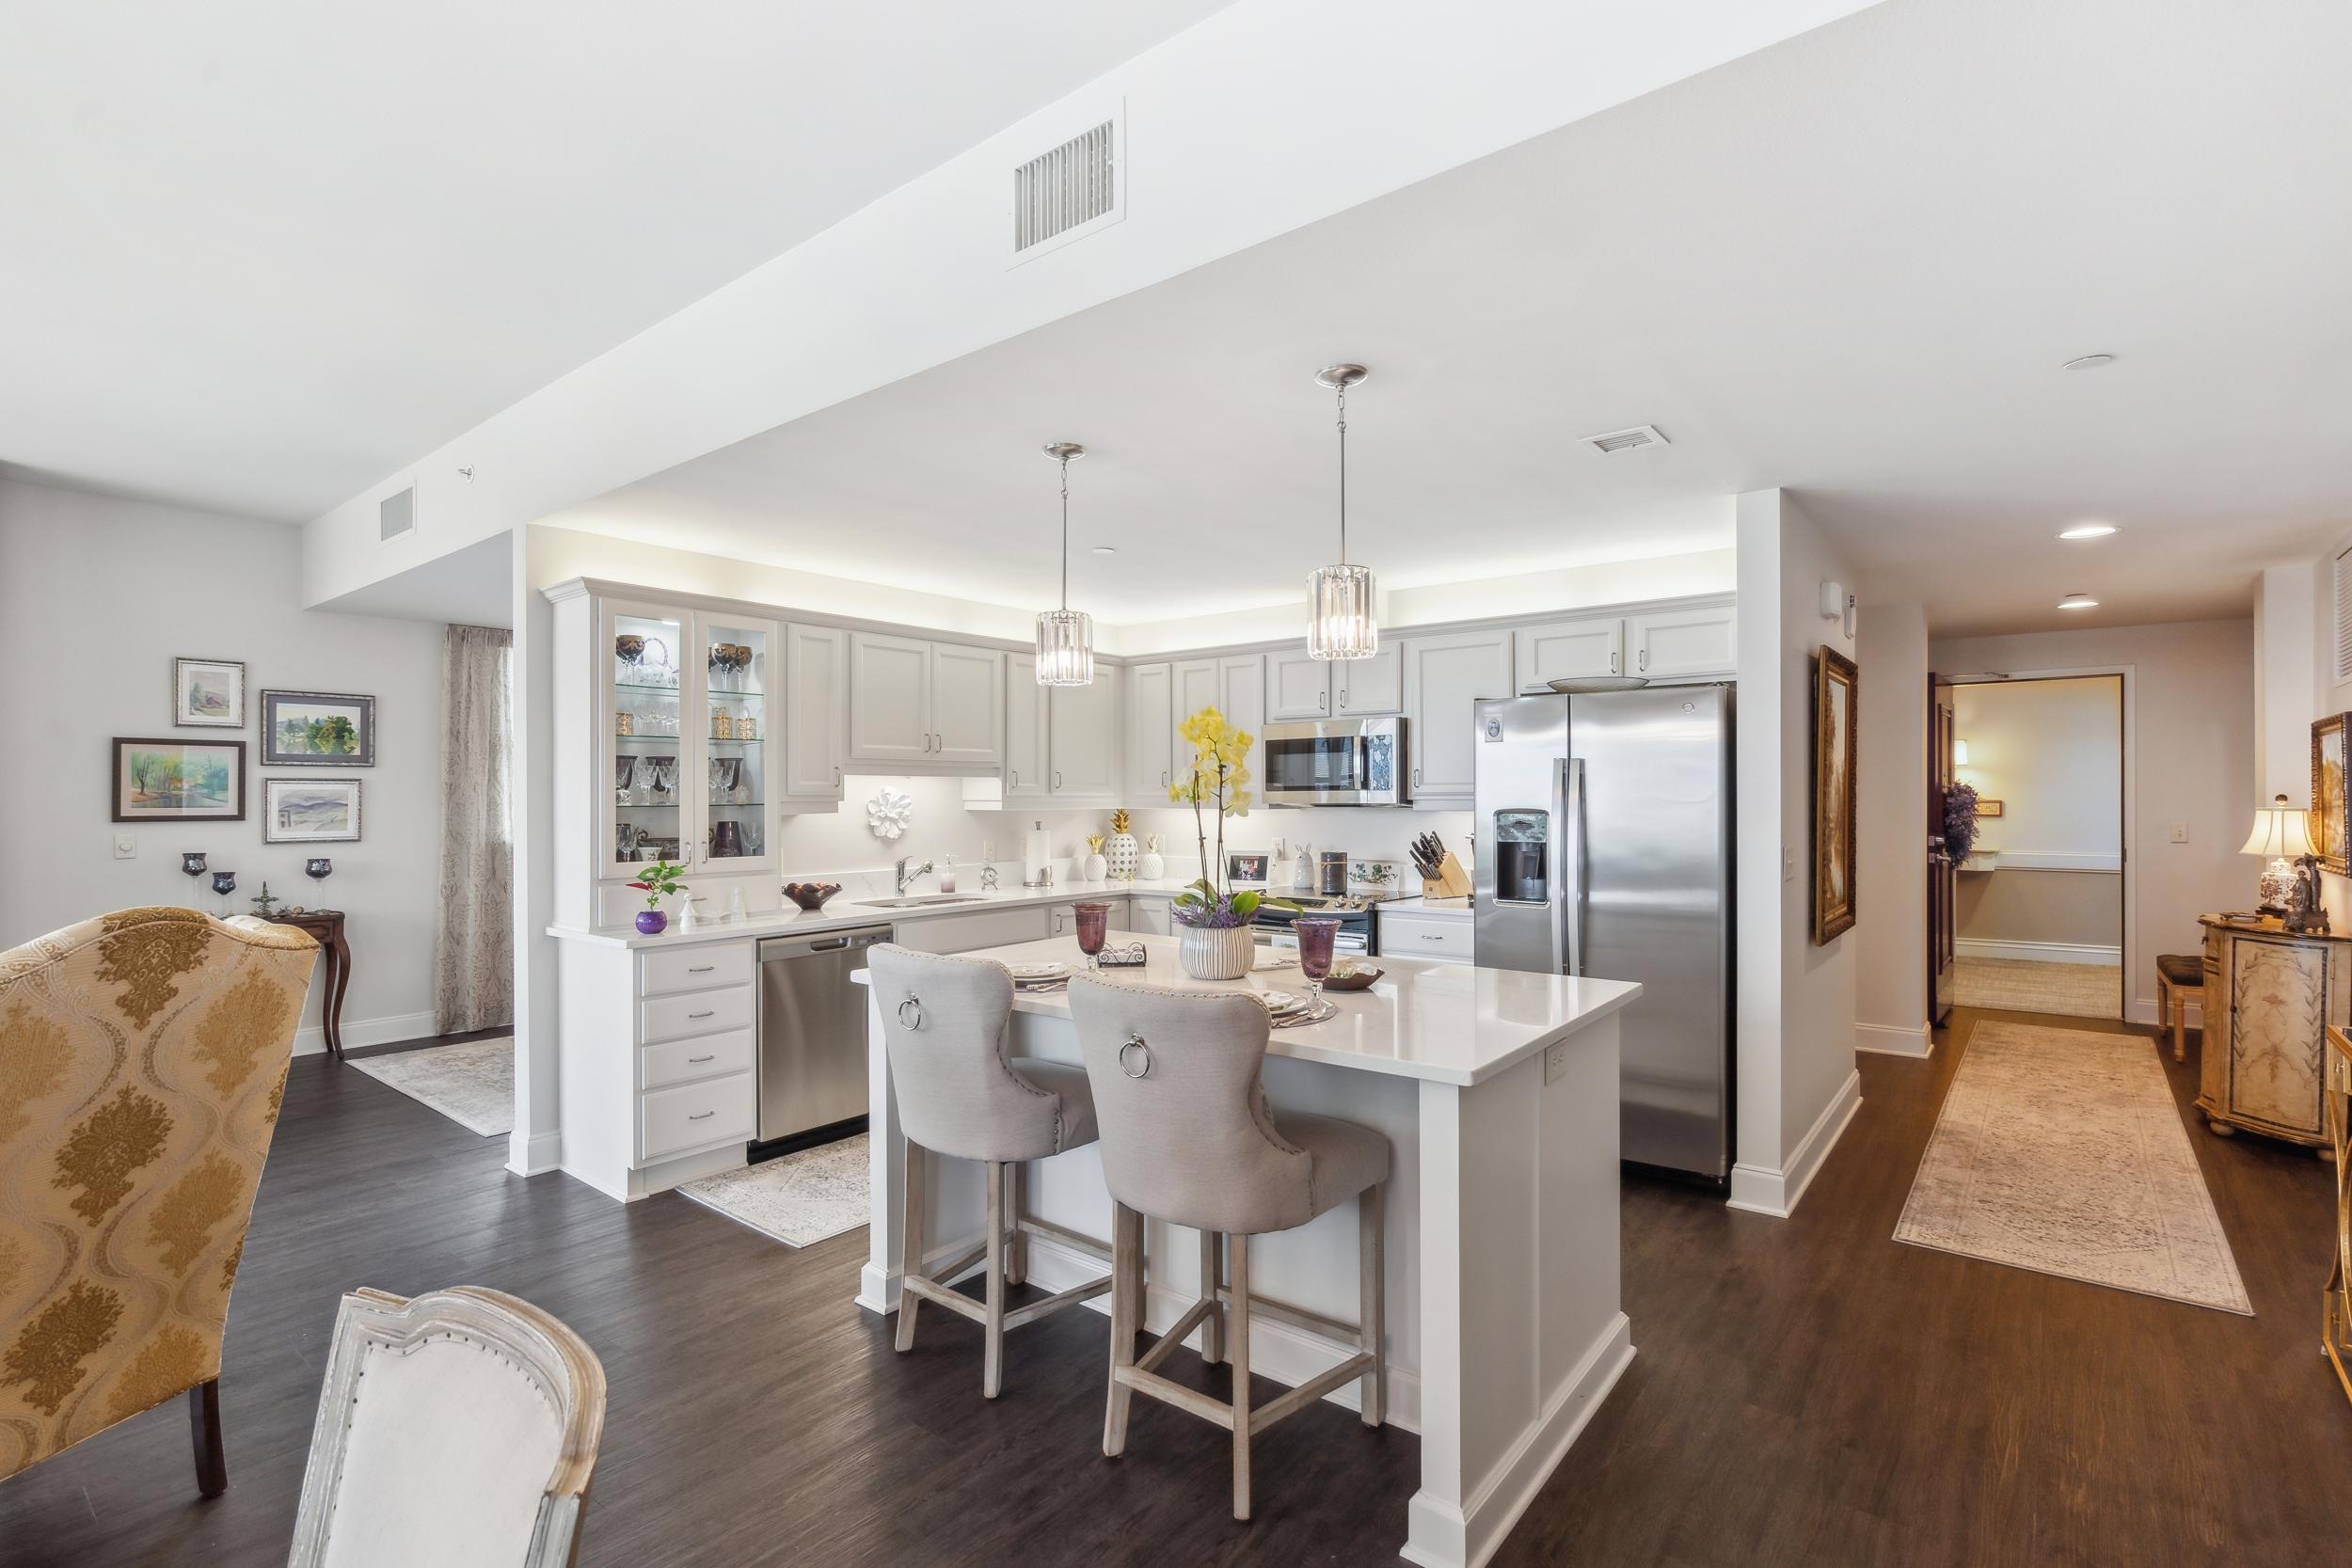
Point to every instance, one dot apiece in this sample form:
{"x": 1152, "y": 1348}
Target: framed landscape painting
{"x": 179, "y": 781}
{"x": 317, "y": 729}
{"x": 310, "y": 811}
{"x": 1834, "y": 706}
{"x": 208, "y": 693}
{"x": 2331, "y": 831}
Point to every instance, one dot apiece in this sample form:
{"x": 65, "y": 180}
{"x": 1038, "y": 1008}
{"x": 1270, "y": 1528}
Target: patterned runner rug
{"x": 2061, "y": 1150}
{"x": 799, "y": 1198}
{"x": 472, "y": 1085}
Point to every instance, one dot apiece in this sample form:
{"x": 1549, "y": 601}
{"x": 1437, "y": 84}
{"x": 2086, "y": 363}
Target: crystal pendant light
{"x": 1065, "y": 637}
{"x": 1340, "y": 618}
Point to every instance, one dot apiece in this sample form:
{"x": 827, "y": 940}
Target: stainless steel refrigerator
{"x": 1604, "y": 849}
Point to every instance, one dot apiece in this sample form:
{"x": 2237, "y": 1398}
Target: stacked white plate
{"x": 1282, "y": 1004}
{"x": 1048, "y": 973}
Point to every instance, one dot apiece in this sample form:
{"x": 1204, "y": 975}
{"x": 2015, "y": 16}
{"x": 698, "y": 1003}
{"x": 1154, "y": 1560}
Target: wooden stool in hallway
{"x": 1189, "y": 1138}
{"x": 946, "y": 1021}
{"x": 2180, "y": 980}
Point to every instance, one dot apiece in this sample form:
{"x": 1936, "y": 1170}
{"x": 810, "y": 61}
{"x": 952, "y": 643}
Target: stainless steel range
{"x": 1357, "y": 932}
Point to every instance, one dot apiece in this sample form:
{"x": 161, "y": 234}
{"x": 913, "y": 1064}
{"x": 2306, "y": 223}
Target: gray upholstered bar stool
{"x": 960, "y": 1095}
{"x": 1189, "y": 1138}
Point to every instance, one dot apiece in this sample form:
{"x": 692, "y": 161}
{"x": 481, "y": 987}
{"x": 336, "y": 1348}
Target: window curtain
{"x": 473, "y": 951}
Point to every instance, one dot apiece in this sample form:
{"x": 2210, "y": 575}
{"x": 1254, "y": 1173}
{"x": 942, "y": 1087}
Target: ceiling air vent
{"x": 396, "y": 515}
{"x": 1070, "y": 192}
{"x": 1626, "y": 440}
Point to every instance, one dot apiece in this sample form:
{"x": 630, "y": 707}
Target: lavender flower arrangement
{"x": 1960, "y": 820}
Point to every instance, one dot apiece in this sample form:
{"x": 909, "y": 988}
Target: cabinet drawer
{"x": 698, "y": 1012}
{"x": 703, "y": 1057}
{"x": 1406, "y": 937}
{"x": 704, "y": 967}
{"x": 692, "y": 1114}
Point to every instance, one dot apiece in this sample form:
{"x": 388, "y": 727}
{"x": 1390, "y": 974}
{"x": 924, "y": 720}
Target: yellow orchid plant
{"x": 1218, "y": 777}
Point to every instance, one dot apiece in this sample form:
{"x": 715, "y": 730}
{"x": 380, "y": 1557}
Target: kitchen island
{"x": 1498, "y": 1092}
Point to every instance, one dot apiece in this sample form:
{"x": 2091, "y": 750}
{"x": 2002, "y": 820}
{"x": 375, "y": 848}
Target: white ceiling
{"x": 1850, "y": 265}
{"x": 258, "y": 256}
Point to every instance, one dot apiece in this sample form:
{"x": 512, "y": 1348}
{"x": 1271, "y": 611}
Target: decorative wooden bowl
{"x": 811, "y": 895}
{"x": 1360, "y": 978}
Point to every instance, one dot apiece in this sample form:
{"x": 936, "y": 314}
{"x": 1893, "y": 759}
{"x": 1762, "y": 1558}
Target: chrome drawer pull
{"x": 1427, "y": 936}
{"x": 711, "y": 1013}
{"x": 693, "y": 1060}
{"x": 702, "y": 969}
{"x": 702, "y": 1115}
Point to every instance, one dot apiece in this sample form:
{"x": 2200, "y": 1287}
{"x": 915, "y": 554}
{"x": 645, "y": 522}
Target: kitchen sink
{"x": 920, "y": 900}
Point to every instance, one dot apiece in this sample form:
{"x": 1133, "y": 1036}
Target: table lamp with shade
{"x": 2284, "y": 833}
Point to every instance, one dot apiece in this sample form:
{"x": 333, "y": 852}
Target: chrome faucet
{"x": 905, "y": 875}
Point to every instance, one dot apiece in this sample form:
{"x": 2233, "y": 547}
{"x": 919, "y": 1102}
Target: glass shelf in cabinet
{"x": 664, "y": 691}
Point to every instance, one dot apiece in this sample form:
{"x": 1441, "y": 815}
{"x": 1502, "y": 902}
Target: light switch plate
{"x": 2180, "y": 832}
{"x": 1555, "y": 1060}
{"x": 1787, "y": 864}
{"x": 126, "y": 847}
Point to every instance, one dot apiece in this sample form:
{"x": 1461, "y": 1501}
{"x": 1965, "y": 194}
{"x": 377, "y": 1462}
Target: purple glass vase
{"x": 652, "y": 923}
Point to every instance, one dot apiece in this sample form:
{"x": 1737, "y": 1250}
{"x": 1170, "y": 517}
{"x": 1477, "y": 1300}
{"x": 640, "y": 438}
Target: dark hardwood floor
{"x": 1806, "y": 1391}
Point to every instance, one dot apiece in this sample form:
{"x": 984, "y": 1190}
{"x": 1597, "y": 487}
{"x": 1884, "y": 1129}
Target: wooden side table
{"x": 327, "y": 928}
{"x": 2335, "y": 1332}
{"x": 2269, "y": 995}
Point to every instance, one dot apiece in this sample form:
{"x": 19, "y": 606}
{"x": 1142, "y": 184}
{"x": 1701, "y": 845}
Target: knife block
{"x": 1451, "y": 885}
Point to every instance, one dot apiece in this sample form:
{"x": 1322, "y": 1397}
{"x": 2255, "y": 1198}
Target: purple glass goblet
{"x": 1094, "y": 925}
{"x": 1315, "y": 933}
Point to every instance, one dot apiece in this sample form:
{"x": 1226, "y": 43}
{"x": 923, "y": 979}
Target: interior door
{"x": 1943, "y": 874}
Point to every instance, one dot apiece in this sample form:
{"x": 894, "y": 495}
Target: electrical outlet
{"x": 1555, "y": 1060}
{"x": 2180, "y": 832}
{"x": 1787, "y": 864}
{"x": 126, "y": 847}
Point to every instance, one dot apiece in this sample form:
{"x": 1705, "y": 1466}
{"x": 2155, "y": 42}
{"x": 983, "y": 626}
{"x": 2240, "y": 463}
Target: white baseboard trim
{"x": 2039, "y": 951}
{"x": 535, "y": 1154}
{"x": 1437, "y": 1535}
{"x": 2144, "y": 1010}
{"x": 1891, "y": 1039}
{"x": 367, "y": 1031}
{"x": 1286, "y": 1355}
{"x": 1776, "y": 1193}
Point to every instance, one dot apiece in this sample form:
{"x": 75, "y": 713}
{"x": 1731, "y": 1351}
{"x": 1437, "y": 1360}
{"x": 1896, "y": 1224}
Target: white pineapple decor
{"x": 1153, "y": 865}
{"x": 1120, "y": 854}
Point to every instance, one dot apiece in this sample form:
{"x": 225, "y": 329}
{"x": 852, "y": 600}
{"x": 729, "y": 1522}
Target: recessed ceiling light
{"x": 2087, "y": 362}
{"x": 1113, "y": 549}
{"x": 2079, "y": 601}
{"x": 2086, "y": 530}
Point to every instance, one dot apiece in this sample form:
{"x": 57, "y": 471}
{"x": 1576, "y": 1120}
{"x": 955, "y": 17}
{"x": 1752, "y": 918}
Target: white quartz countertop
{"x": 1423, "y": 906}
{"x": 1447, "y": 1024}
{"x": 844, "y": 913}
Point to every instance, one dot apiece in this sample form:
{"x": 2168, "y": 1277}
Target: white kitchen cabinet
{"x": 1697, "y": 643}
{"x": 1297, "y": 686}
{"x": 1368, "y": 686}
{"x": 1241, "y": 695}
{"x": 1433, "y": 937}
{"x": 1194, "y": 688}
{"x": 816, "y": 719}
{"x": 1028, "y": 775}
{"x": 1443, "y": 676}
{"x": 968, "y": 715}
{"x": 917, "y": 706}
{"x": 1150, "y": 914}
{"x": 1568, "y": 650}
{"x": 1150, "y": 732}
{"x": 1083, "y": 745}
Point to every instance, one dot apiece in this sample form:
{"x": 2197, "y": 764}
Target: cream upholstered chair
{"x": 947, "y": 1022}
{"x": 142, "y": 1058}
{"x": 1188, "y": 1138}
{"x": 457, "y": 1429}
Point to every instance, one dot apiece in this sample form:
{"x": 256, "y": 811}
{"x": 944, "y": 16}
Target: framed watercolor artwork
{"x": 179, "y": 781}
{"x": 317, "y": 729}
{"x": 310, "y": 811}
{"x": 208, "y": 693}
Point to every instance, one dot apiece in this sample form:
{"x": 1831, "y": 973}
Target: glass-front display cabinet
{"x": 691, "y": 741}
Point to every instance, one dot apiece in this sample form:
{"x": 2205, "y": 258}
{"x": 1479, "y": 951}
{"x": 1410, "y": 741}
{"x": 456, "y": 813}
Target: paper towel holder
{"x": 1037, "y": 870}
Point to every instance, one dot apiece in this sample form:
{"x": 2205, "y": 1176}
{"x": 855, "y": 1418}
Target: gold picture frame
{"x": 2331, "y": 827}
{"x": 1836, "y": 706}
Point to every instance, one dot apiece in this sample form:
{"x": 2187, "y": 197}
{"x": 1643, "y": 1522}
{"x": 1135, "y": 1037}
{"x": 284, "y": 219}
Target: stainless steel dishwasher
{"x": 812, "y": 1032}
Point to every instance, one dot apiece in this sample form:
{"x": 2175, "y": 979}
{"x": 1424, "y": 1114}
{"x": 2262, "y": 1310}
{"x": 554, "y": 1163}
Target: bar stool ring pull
{"x": 1136, "y": 1043}
{"x": 915, "y": 1021}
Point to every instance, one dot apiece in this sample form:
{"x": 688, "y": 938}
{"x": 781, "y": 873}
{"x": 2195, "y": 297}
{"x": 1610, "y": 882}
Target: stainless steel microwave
{"x": 1336, "y": 762}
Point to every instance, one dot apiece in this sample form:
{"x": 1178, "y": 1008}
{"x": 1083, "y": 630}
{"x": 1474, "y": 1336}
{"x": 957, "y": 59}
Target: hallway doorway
{"x": 2037, "y": 912}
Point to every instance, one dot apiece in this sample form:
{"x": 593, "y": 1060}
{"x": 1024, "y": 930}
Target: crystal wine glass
{"x": 1095, "y": 923}
{"x": 1315, "y": 933}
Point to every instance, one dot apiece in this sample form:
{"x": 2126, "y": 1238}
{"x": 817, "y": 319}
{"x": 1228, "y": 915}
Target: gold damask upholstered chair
{"x": 142, "y": 1058}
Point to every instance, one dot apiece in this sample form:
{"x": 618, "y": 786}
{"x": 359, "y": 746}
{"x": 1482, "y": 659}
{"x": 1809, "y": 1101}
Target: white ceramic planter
{"x": 1212, "y": 952}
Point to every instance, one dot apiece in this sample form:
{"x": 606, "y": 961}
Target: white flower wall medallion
{"x": 888, "y": 813}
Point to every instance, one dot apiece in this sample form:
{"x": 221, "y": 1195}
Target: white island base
{"x": 1498, "y": 1091}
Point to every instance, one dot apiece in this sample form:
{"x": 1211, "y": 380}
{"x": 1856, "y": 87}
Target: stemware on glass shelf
{"x": 1095, "y": 923}
{"x": 1315, "y": 933}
